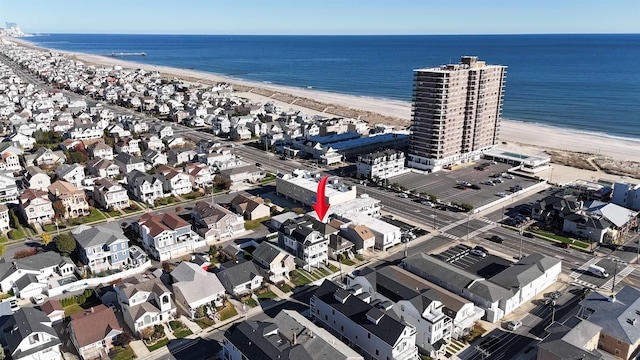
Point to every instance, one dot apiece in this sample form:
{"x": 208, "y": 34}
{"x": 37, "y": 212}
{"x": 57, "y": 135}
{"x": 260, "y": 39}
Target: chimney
{"x": 295, "y": 339}
{"x": 92, "y": 309}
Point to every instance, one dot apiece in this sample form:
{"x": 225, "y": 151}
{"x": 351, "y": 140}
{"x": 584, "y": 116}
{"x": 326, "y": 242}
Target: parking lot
{"x": 408, "y": 231}
{"x": 461, "y": 256}
{"x": 446, "y": 184}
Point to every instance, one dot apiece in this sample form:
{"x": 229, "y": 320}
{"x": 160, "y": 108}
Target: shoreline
{"x": 518, "y": 135}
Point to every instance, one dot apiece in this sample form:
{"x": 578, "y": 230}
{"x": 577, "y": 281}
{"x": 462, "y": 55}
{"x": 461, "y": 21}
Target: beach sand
{"x": 527, "y": 138}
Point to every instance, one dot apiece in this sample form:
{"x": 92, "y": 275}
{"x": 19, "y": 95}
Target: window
{"x": 34, "y": 339}
{"x": 368, "y": 335}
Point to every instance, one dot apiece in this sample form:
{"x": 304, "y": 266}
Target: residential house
{"x": 360, "y": 235}
{"x": 437, "y": 314}
{"x": 87, "y": 131}
{"x": 274, "y": 263}
{"x": 117, "y": 131}
{"x": 600, "y": 222}
{"x": 5, "y": 220}
{"x": 194, "y": 287}
{"x": 161, "y": 130}
{"x": 616, "y": 316}
{"x": 213, "y": 222}
{"x": 249, "y": 173}
{"x": 367, "y": 328}
{"x": 251, "y": 207}
{"x": 36, "y": 178}
{"x": 128, "y": 163}
{"x": 8, "y": 186}
{"x": 73, "y": 199}
{"x": 45, "y": 157}
{"x": 93, "y": 332}
{"x": 199, "y": 174}
{"x": 387, "y": 235}
{"x": 103, "y": 168}
{"x": 36, "y": 207}
{"x": 145, "y": 187}
{"x": 287, "y": 336}
{"x": 54, "y": 310}
{"x": 23, "y": 137}
{"x": 627, "y": 195}
{"x": 144, "y": 302}
{"x": 173, "y": 181}
{"x": 152, "y": 142}
{"x": 110, "y": 195}
{"x": 29, "y": 276}
{"x": 73, "y": 174}
{"x": 101, "y": 150}
{"x": 129, "y": 146}
{"x": 154, "y": 158}
{"x": 307, "y": 239}
{"x": 173, "y": 142}
{"x": 9, "y": 157}
{"x": 167, "y": 235}
{"x": 29, "y": 335}
{"x": 240, "y": 277}
{"x": 101, "y": 248}
{"x": 180, "y": 156}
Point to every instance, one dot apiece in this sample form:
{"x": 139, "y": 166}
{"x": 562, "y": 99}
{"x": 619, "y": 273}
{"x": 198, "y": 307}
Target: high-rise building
{"x": 456, "y": 113}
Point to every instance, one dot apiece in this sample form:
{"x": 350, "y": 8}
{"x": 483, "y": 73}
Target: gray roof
{"x": 266, "y": 252}
{"x": 64, "y": 169}
{"x": 241, "y": 169}
{"x": 126, "y": 158}
{"x": 25, "y": 322}
{"x": 388, "y": 328}
{"x": 25, "y": 281}
{"x": 197, "y": 285}
{"x": 616, "y": 317}
{"x": 99, "y": 235}
{"x": 458, "y": 278}
{"x": 567, "y": 340}
{"x": 524, "y": 271}
{"x": 34, "y": 262}
{"x": 236, "y": 273}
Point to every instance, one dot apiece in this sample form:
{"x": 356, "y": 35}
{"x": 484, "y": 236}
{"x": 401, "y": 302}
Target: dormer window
{"x": 34, "y": 339}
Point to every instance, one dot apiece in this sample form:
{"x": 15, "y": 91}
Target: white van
{"x": 598, "y": 271}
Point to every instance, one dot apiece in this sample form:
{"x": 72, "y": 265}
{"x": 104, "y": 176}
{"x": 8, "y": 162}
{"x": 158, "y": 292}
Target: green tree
{"x": 65, "y": 244}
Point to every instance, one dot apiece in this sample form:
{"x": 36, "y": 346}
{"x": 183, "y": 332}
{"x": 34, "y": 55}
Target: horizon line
{"x": 281, "y": 34}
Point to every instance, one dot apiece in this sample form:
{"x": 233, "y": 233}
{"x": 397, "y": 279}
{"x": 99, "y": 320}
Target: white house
{"x": 29, "y": 335}
{"x": 144, "y": 302}
{"x": 73, "y": 174}
{"x": 194, "y": 287}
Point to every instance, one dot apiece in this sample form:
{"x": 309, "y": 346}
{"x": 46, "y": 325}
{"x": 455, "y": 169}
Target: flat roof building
{"x": 302, "y": 186}
{"x": 456, "y": 113}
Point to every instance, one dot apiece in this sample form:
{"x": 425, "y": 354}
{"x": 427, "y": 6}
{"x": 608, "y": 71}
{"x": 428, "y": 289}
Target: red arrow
{"x": 320, "y": 206}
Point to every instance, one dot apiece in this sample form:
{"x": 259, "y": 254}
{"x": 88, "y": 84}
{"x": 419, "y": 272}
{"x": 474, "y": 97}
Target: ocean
{"x": 588, "y": 83}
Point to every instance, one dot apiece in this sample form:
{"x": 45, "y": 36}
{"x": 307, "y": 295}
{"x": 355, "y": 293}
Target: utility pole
{"x": 520, "y": 251}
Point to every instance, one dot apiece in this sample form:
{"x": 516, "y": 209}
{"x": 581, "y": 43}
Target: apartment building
{"x": 456, "y": 113}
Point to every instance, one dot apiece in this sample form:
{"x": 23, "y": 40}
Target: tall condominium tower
{"x": 456, "y": 113}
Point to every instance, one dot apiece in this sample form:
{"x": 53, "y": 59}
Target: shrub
{"x": 24, "y": 253}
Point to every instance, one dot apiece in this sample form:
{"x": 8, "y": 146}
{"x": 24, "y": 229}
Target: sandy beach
{"x": 526, "y": 137}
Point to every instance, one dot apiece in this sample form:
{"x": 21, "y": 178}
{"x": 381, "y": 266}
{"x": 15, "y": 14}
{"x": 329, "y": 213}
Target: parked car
{"x": 501, "y": 194}
{"x": 477, "y": 252}
{"x": 481, "y": 249}
{"x": 428, "y": 203}
{"x": 496, "y": 239}
{"x": 38, "y": 299}
{"x": 529, "y": 235}
{"x": 461, "y": 187}
{"x": 403, "y": 195}
{"x": 514, "y": 325}
{"x": 14, "y": 305}
{"x": 475, "y": 187}
{"x": 508, "y": 176}
{"x": 498, "y": 180}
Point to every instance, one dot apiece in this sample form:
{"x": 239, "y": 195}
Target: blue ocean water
{"x": 588, "y": 83}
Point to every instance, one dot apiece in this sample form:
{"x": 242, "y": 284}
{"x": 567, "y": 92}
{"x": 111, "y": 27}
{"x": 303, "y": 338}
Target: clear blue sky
{"x": 323, "y": 17}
